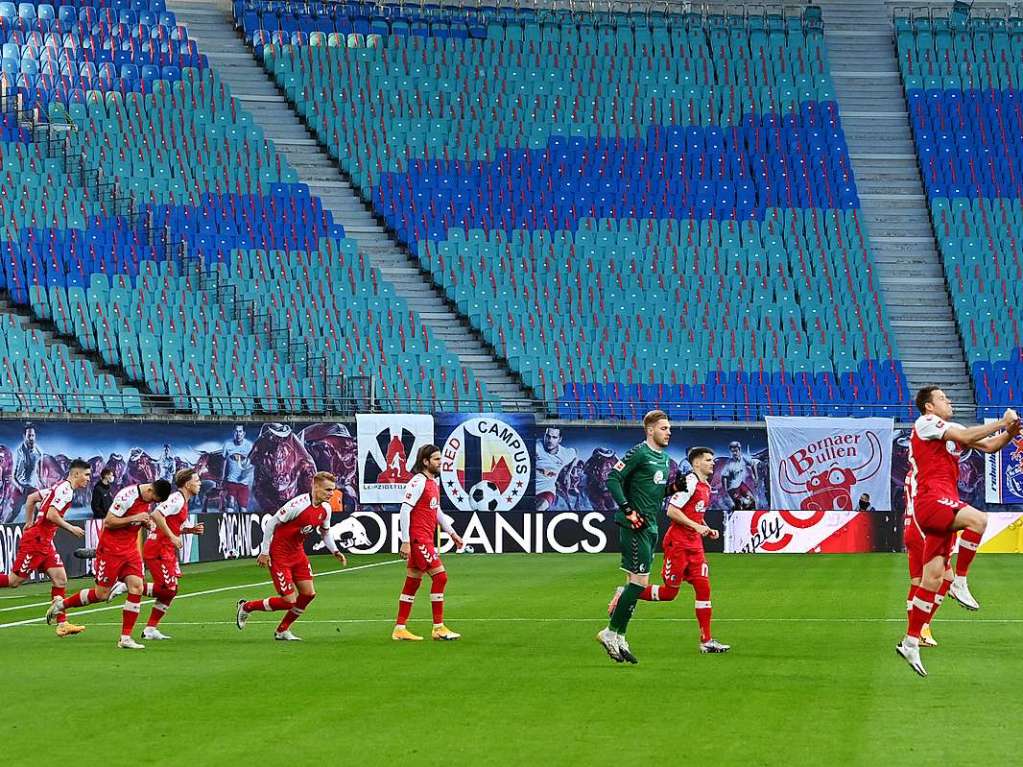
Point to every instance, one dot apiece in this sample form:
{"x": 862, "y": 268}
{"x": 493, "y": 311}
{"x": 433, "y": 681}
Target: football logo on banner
{"x": 485, "y": 465}
{"x": 387, "y": 452}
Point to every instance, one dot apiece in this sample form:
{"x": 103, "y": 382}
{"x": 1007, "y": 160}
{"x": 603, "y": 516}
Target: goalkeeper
{"x": 639, "y": 485}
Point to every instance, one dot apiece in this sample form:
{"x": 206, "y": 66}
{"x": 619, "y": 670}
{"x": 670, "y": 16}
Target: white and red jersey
{"x": 292, "y": 523}
{"x": 42, "y": 530}
{"x": 694, "y": 502}
{"x": 911, "y": 532}
{"x": 422, "y": 495}
{"x": 175, "y": 512}
{"x": 933, "y": 460}
{"x": 550, "y": 465}
{"x": 123, "y": 541}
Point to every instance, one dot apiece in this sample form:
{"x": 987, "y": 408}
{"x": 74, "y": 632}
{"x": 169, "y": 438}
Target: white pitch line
{"x": 28, "y": 621}
{"x": 23, "y": 607}
{"x": 342, "y": 621}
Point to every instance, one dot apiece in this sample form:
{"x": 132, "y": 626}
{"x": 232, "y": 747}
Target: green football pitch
{"x": 813, "y": 677}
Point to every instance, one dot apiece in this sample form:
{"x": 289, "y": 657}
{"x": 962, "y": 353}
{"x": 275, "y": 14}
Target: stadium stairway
{"x": 210, "y": 23}
{"x": 859, "y": 36}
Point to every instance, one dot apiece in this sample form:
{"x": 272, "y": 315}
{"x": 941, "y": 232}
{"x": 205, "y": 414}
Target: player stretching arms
{"x": 913, "y": 539}
{"x": 283, "y": 554}
{"x": 161, "y": 548}
{"x": 118, "y": 557}
{"x": 638, "y": 484}
{"x": 934, "y": 448}
{"x": 683, "y": 545}
{"x": 420, "y": 513}
{"x": 36, "y": 552}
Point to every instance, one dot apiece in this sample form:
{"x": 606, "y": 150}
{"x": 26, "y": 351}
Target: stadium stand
{"x": 631, "y": 209}
{"x": 963, "y": 77}
{"x": 221, "y": 263}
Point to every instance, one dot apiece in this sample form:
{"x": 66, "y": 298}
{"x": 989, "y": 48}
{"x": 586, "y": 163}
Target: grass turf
{"x": 812, "y": 678}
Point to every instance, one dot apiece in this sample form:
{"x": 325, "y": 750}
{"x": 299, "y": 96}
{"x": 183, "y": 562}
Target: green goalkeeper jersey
{"x": 639, "y": 479}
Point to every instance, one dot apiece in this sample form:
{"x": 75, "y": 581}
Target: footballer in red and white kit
{"x": 913, "y": 539}
{"x": 160, "y": 551}
{"x": 283, "y": 553}
{"x": 44, "y": 514}
{"x": 419, "y": 516}
{"x": 118, "y": 557}
{"x": 935, "y": 446}
{"x": 684, "y": 560}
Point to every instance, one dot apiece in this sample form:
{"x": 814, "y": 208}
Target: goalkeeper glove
{"x": 633, "y": 518}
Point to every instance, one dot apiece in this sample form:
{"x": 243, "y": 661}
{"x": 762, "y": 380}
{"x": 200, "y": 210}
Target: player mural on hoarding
{"x": 281, "y": 459}
{"x": 740, "y": 479}
{"x": 486, "y": 460}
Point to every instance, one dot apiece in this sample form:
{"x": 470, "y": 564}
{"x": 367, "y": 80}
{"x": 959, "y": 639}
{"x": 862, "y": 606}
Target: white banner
{"x": 827, "y": 464}
{"x": 388, "y": 444}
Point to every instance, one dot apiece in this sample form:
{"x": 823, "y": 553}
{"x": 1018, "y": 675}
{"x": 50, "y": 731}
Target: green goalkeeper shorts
{"x": 637, "y": 549}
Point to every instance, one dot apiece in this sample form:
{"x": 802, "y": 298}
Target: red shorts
{"x": 112, "y": 567}
{"x": 936, "y": 515}
{"x": 165, "y": 570}
{"x": 31, "y": 560}
{"x": 683, "y": 564}
{"x": 239, "y": 491}
{"x": 286, "y": 573}
{"x": 423, "y": 556}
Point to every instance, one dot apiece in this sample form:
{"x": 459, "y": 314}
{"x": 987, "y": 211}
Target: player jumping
{"x": 913, "y": 539}
{"x": 638, "y": 484}
{"x": 283, "y": 554}
{"x": 934, "y": 449}
{"x": 684, "y": 558}
{"x": 420, "y": 513}
{"x": 118, "y": 557}
{"x": 36, "y": 552}
{"x": 161, "y": 548}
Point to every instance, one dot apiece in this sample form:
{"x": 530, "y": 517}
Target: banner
{"x": 830, "y": 464}
{"x": 802, "y": 532}
{"x": 388, "y": 444}
{"x": 573, "y": 462}
{"x": 244, "y": 466}
{"x": 486, "y": 461}
{"x": 1003, "y": 473}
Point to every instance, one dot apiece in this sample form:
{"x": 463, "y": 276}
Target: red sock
{"x": 130, "y": 613}
{"x": 408, "y": 596}
{"x": 293, "y": 614}
{"x": 269, "y": 605}
{"x": 939, "y": 597}
{"x": 60, "y": 591}
{"x": 659, "y": 593}
{"x": 440, "y": 580}
{"x": 923, "y": 606}
{"x": 968, "y": 544}
{"x": 909, "y": 597}
{"x": 83, "y": 597}
{"x": 701, "y": 588}
{"x": 163, "y": 599}
{"x": 5, "y": 581}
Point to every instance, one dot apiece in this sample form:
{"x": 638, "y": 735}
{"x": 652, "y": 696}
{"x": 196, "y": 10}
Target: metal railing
{"x": 362, "y": 399}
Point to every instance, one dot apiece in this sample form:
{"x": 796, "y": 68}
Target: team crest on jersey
{"x": 485, "y": 465}
{"x": 619, "y": 466}
{"x": 659, "y": 478}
